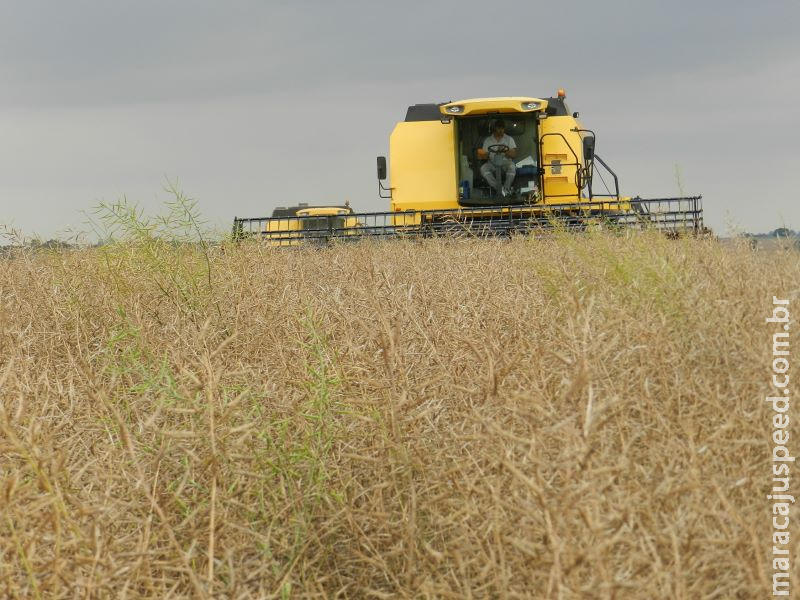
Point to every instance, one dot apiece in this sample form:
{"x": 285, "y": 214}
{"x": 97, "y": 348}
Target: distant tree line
{"x": 781, "y": 232}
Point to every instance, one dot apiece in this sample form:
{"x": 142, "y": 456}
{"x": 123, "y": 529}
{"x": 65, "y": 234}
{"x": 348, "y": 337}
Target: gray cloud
{"x": 253, "y": 104}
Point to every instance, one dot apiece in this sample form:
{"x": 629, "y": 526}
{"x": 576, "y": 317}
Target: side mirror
{"x": 588, "y": 148}
{"x": 381, "y": 168}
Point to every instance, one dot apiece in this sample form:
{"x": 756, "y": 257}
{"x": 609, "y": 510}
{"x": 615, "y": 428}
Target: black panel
{"x": 424, "y": 112}
{"x": 556, "y": 107}
{"x": 282, "y": 211}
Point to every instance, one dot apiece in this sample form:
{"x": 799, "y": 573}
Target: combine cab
{"x": 493, "y": 167}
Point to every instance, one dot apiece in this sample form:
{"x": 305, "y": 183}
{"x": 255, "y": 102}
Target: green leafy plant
{"x": 171, "y": 250}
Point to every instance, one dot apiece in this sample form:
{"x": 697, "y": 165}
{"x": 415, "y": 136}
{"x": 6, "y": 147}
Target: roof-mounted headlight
{"x": 531, "y": 105}
{"x": 454, "y": 110}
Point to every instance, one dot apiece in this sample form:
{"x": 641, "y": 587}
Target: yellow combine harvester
{"x": 294, "y": 225}
{"x": 490, "y": 166}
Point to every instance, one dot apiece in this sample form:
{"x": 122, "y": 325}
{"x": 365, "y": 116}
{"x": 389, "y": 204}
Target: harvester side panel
{"x": 423, "y": 166}
{"x": 561, "y": 154}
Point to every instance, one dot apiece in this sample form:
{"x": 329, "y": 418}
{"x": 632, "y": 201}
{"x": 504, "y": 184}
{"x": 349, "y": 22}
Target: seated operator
{"x": 503, "y": 150}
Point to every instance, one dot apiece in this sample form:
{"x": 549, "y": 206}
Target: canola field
{"x": 580, "y": 416}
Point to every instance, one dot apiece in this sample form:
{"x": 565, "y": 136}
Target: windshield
{"x": 497, "y": 165}
{"x": 323, "y": 223}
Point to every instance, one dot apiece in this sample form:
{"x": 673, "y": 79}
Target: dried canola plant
{"x": 574, "y": 417}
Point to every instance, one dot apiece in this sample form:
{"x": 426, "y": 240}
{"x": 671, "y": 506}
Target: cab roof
{"x": 291, "y": 211}
{"x": 481, "y": 106}
{"x": 433, "y": 111}
{"x": 323, "y": 211}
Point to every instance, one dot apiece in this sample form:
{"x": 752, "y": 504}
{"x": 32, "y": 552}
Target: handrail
{"x": 614, "y": 175}
{"x": 543, "y": 166}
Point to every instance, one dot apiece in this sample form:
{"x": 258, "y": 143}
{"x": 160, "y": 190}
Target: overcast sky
{"x": 255, "y": 104}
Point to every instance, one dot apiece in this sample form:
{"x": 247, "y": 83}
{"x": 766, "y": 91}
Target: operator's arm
{"x": 483, "y": 152}
{"x": 512, "y": 148}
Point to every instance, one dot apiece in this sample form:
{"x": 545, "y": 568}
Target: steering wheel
{"x": 498, "y": 148}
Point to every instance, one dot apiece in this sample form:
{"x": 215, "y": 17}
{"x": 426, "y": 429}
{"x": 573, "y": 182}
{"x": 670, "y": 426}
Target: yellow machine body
{"x": 447, "y": 176}
{"x": 312, "y": 222}
{"x": 432, "y": 154}
{"x": 422, "y": 164}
